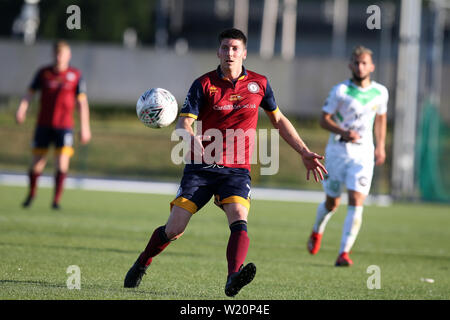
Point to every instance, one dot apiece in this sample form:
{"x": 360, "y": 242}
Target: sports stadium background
{"x": 125, "y": 47}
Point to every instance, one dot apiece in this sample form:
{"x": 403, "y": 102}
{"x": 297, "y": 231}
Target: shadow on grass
{"x": 137, "y": 293}
{"x": 33, "y": 282}
{"x": 92, "y": 249}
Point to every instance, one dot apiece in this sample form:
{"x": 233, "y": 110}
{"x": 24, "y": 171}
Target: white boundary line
{"x": 167, "y": 188}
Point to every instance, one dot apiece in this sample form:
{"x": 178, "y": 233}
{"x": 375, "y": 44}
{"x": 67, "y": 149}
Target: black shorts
{"x": 62, "y": 139}
{"x": 201, "y": 182}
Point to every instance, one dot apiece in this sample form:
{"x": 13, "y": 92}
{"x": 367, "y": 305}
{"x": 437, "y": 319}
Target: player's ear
{"x": 245, "y": 54}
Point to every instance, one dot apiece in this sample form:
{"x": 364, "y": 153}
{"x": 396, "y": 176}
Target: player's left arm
{"x": 380, "y": 137}
{"x": 83, "y": 110}
{"x": 290, "y": 135}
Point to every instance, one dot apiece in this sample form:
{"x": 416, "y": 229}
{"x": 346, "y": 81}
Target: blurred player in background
{"x": 62, "y": 88}
{"x": 223, "y": 99}
{"x": 354, "y": 109}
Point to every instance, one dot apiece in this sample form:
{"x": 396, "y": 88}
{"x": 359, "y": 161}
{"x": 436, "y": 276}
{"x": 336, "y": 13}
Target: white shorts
{"x": 355, "y": 174}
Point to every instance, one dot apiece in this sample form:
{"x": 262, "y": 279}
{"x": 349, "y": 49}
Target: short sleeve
{"x": 81, "y": 86}
{"x": 36, "y": 82}
{"x": 268, "y": 102}
{"x": 332, "y": 102}
{"x": 194, "y": 101}
{"x": 384, "y": 101}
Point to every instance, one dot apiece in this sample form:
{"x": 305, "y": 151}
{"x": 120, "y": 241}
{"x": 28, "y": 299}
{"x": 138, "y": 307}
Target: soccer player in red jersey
{"x": 62, "y": 89}
{"x": 223, "y": 101}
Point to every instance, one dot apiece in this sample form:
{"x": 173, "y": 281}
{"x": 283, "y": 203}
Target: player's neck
{"x": 231, "y": 74}
{"x": 60, "y": 68}
{"x": 363, "y": 83}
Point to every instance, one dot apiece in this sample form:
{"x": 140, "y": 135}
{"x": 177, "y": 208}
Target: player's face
{"x": 361, "y": 66}
{"x": 62, "y": 57}
{"x": 231, "y": 53}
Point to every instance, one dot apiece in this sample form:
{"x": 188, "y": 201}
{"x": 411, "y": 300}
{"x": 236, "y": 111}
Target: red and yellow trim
{"x": 233, "y": 199}
{"x": 64, "y": 150}
{"x": 190, "y": 115}
{"x": 82, "y": 95}
{"x": 185, "y": 204}
{"x": 274, "y": 111}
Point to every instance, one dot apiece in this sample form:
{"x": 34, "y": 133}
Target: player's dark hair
{"x": 233, "y": 33}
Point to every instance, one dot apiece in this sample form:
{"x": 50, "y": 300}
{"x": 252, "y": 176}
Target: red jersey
{"x": 58, "y": 96}
{"x": 230, "y": 109}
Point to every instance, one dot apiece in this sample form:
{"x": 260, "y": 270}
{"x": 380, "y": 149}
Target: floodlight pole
{"x": 289, "y": 29}
{"x": 268, "y": 29}
{"x": 241, "y": 10}
{"x": 406, "y": 100}
{"x": 340, "y": 17}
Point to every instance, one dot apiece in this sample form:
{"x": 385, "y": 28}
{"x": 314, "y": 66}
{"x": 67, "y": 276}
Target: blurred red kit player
{"x": 62, "y": 90}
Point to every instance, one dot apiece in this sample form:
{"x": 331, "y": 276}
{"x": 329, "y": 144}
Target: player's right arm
{"x": 188, "y": 114}
{"x": 327, "y": 122}
{"x": 21, "y": 112}
{"x": 329, "y": 109}
{"x": 186, "y": 132}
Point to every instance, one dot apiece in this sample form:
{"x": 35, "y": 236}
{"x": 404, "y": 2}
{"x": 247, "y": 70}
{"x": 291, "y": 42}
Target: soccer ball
{"x": 157, "y": 108}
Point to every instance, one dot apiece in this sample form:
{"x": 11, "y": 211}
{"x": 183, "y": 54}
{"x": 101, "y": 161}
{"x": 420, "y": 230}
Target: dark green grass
{"x": 104, "y": 232}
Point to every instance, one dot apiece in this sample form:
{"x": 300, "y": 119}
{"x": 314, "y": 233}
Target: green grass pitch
{"x": 103, "y": 233}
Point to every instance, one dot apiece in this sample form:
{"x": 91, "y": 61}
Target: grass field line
{"x": 168, "y": 188}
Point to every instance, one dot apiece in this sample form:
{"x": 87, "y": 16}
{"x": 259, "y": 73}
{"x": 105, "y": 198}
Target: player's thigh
{"x": 334, "y": 180}
{"x": 233, "y": 196}
{"x": 63, "y": 139}
{"x": 194, "y": 192}
{"x": 359, "y": 176}
{"x": 41, "y": 142}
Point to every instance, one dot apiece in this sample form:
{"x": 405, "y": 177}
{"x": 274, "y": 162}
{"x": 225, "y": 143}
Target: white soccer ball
{"x": 157, "y": 108}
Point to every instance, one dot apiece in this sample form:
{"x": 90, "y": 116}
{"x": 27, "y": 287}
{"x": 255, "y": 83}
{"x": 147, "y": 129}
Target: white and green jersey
{"x": 355, "y": 108}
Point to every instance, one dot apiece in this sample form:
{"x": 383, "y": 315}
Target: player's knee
{"x": 332, "y": 203}
{"x": 235, "y": 212}
{"x": 174, "y": 232}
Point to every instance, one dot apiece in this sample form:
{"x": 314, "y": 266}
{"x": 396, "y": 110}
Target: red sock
{"x": 33, "y": 177}
{"x": 157, "y": 243}
{"x": 237, "y": 246}
{"x": 59, "y": 185}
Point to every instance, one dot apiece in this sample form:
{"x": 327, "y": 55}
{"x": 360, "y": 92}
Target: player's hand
{"x": 380, "y": 156}
{"x": 312, "y": 163}
{"x": 20, "y": 116}
{"x": 85, "y": 136}
{"x": 197, "y": 148}
{"x": 350, "y": 136}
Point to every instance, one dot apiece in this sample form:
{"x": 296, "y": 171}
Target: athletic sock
{"x": 351, "y": 228}
{"x": 59, "y": 185}
{"x": 33, "y": 178}
{"x": 157, "y": 243}
{"x": 237, "y": 246}
{"x": 322, "y": 217}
